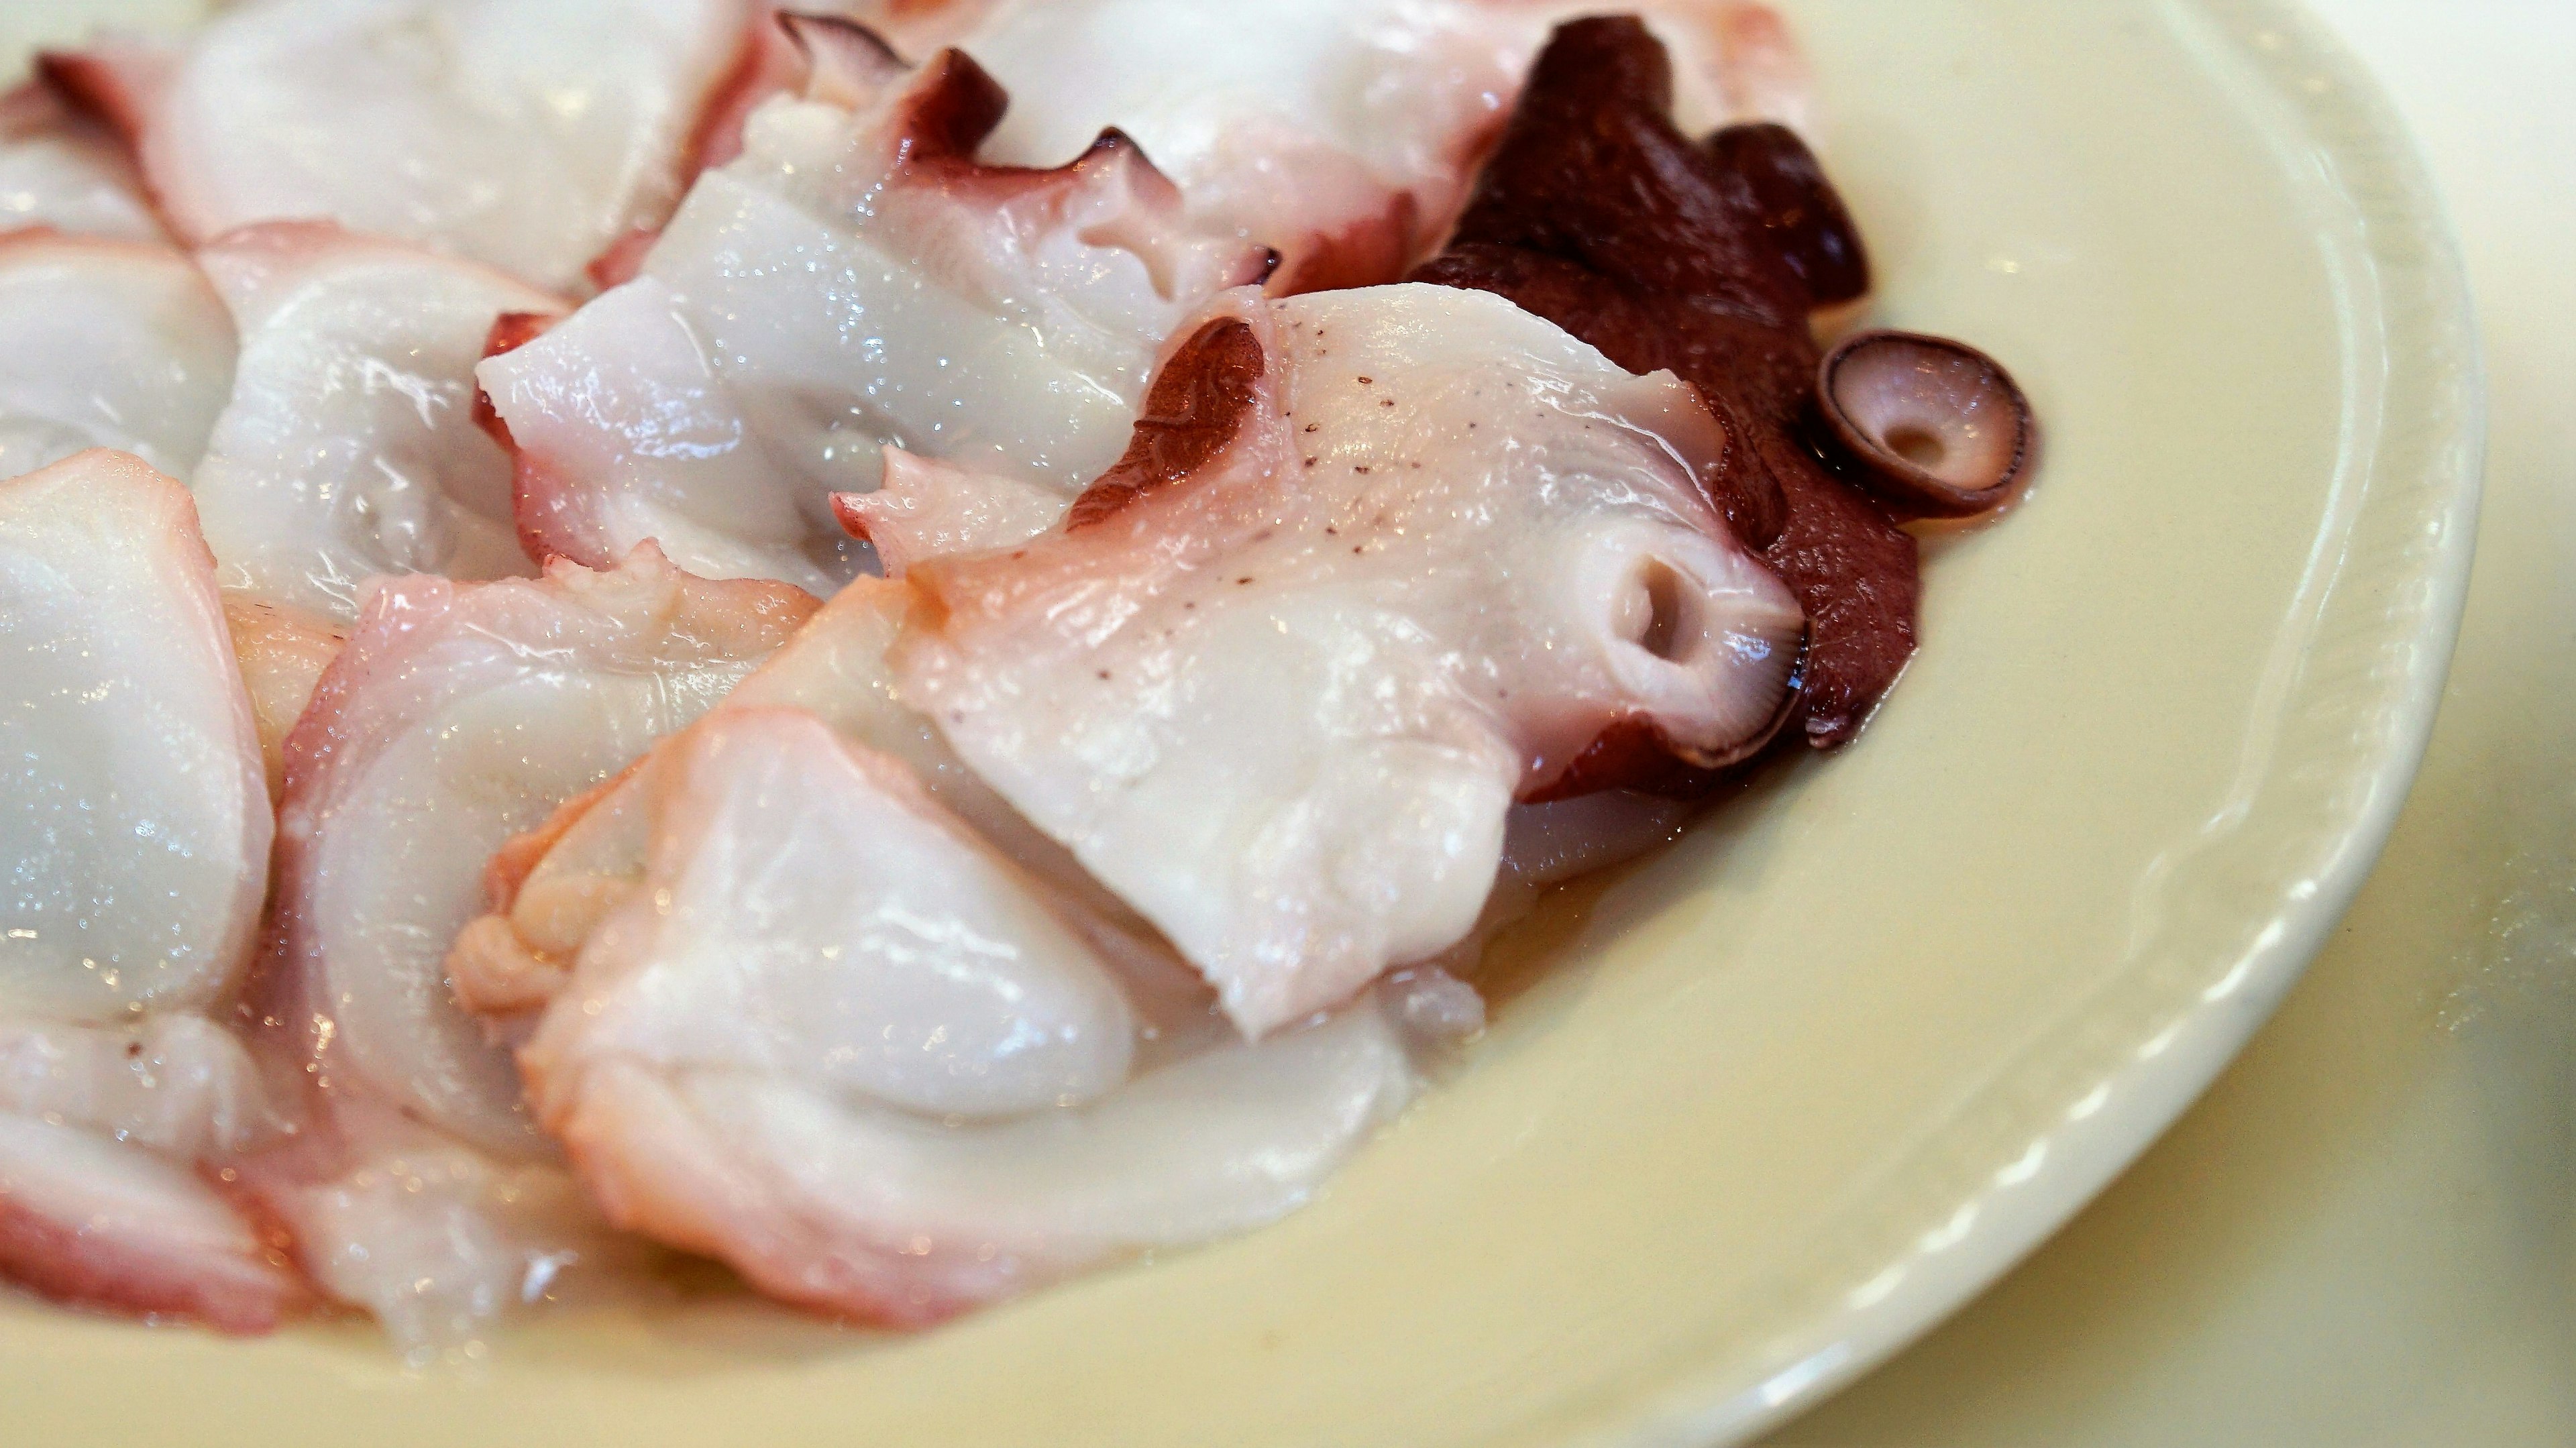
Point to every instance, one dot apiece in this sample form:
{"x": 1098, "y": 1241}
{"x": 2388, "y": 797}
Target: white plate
{"x": 1785, "y": 1096}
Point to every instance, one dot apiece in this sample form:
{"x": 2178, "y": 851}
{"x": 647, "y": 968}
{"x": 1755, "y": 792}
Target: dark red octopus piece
{"x": 1596, "y": 213}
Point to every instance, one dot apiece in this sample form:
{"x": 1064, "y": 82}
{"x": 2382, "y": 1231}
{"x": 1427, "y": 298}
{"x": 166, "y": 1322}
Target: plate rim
{"x": 2287, "y": 58}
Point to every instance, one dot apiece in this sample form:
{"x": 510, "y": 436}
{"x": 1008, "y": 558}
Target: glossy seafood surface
{"x": 889, "y": 651}
{"x": 1378, "y": 563}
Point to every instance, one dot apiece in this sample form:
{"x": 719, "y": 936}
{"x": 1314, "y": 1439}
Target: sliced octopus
{"x": 864, "y": 1059}
{"x": 1345, "y": 140}
{"x": 854, "y": 279}
{"x": 349, "y": 447}
{"x": 833, "y": 1037}
{"x": 134, "y": 835}
{"x": 531, "y": 135}
{"x": 107, "y": 343}
{"x": 457, "y": 715}
{"x": 1377, "y": 564}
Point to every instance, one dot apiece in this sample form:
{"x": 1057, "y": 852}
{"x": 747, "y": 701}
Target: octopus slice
{"x": 106, "y": 343}
{"x": 1344, "y": 140}
{"x": 135, "y": 817}
{"x": 350, "y": 447}
{"x": 1377, "y": 564}
{"x": 853, "y": 279}
{"x": 844, "y": 1045}
{"x": 88, "y": 1220}
{"x": 456, "y": 715}
{"x": 134, "y": 833}
{"x": 549, "y": 887}
{"x": 62, "y": 170}
{"x": 1597, "y": 213}
{"x": 526, "y": 134}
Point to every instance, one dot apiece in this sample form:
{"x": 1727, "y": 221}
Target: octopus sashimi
{"x": 854, "y": 279}
{"x": 66, "y": 171}
{"x": 842, "y": 1043}
{"x": 1709, "y": 258}
{"x": 107, "y": 343}
{"x": 91, "y": 1221}
{"x": 1378, "y": 564}
{"x": 527, "y": 134}
{"x": 137, "y": 817}
{"x": 1344, "y": 136}
{"x": 550, "y": 886}
{"x": 349, "y": 447}
{"x": 134, "y": 833}
{"x": 815, "y": 1001}
{"x": 458, "y": 714}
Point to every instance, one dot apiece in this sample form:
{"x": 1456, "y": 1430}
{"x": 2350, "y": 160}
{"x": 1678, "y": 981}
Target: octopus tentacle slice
{"x": 132, "y": 726}
{"x": 62, "y": 170}
{"x": 1378, "y": 563}
{"x": 349, "y": 447}
{"x": 800, "y": 992}
{"x": 841, "y": 1042}
{"x": 136, "y": 829}
{"x": 1345, "y": 142}
{"x": 442, "y": 124}
{"x": 456, "y": 715}
{"x": 107, "y": 343}
{"x": 549, "y": 887}
{"x": 476, "y": 707}
{"x": 855, "y": 278}
{"x": 1596, "y": 212}
{"x": 784, "y": 52}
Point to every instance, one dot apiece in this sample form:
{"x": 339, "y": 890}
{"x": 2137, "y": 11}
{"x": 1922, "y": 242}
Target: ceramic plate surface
{"x": 1764, "y": 1108}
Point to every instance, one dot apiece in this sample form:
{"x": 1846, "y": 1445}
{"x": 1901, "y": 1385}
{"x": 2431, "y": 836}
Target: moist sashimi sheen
{"x": 1282, "y": 675}
{"x": 880, "y": 653}
{"x": 854, "y": 279}
{"x": 134, "y": 836}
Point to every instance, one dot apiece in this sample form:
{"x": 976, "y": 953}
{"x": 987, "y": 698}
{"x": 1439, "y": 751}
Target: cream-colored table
{"x": 2366, "y": 1233}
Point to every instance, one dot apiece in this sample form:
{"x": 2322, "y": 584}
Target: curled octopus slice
{"x": 134, "y": 832}
{"x": 884, "y": 1073}
{"x": 1345, "y": 139}
{"x": 530, "y": 135}
{"x": 457, "y": 714}
{"x": 107, "y": 343}
{"x": 800, "y": 1004}
{"x": 349, "y": 447}
{"x": 998, "y": 318}
{"x": 1711, "y": 259}
{"x": 1376, "y": 564}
